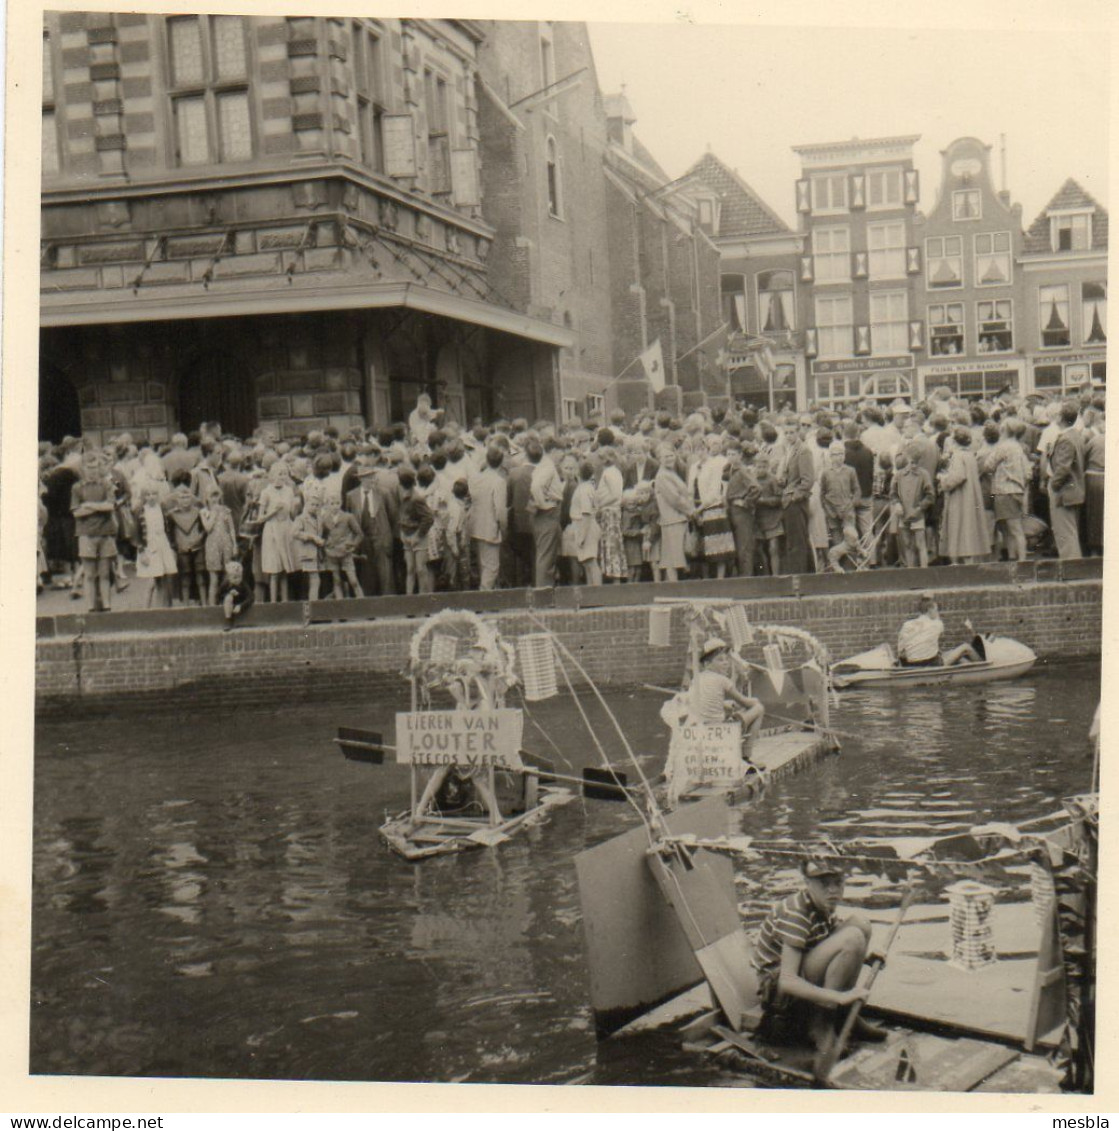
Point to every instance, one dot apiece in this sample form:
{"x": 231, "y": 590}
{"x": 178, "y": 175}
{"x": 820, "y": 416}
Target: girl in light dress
{"x": 221, "y": 540}
{"x": 156, "y": 559}
{"x": 307, "y": 544}
{"x": 587, "y": 535}
{"x": 277, "y": 502}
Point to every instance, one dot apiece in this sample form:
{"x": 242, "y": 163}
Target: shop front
{"x": 1069, "y": 372}
{"x": 973, "y": 380}
{"x": 850, "y": 381}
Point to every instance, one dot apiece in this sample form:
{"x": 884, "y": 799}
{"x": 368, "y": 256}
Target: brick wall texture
{"x": 291, "y": 663}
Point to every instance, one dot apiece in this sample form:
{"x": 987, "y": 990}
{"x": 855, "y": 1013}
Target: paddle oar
{"x": 597, "y": 783}
{"x": 828, "y": 1062}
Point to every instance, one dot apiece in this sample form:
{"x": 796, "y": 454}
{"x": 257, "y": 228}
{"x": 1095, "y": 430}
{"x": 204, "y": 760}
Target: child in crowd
{"x": 886, "y": 550}
{"x": 456, "y": 545}
{"x": 839, "y": 492}
{"x": 341, "y": 537}
{"x": 155, "y": 558}
{"x": 185, "y": 512}
{"x": 235, "y": 596}
{"x": 632, "y": 532}
{"x": 277, "y": 502}
{"x": 742, "y": 499}
{"x": 585, "y": 524}
{"x": 415, "y": 524}
{"x": 769, "y": 512}
{"x": 650, "y": 525}
{"x": 912, "y": 498}
{"x": 307, "y": 543}
{"x": 221, "y": 540}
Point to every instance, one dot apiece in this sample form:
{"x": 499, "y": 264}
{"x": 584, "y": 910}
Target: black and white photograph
{"x": 567, "y": 552}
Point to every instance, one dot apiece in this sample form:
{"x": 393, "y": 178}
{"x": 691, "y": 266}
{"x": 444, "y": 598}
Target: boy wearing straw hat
{"x": 714, "y": 687}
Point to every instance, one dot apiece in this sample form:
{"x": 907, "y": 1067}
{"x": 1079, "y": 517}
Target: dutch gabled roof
{"x": 1070, "y": 196}
{"x": 742, "y": 210}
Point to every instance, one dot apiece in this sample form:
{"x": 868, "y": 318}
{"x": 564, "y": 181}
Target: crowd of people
{"x": 426, "y": 504}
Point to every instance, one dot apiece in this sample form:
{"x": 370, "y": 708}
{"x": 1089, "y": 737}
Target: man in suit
{"x": 366, "y": 504}
{"x": 546, "y": 495}
{"x": 800, "y": 474}
{"x": 1066, "y": 482}
{"x": 520, "y": 524}
{"x": 489, "y": 517}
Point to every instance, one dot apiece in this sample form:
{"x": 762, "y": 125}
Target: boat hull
{"x": 1003, "y": 659}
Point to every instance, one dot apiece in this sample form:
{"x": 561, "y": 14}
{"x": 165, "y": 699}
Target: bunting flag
{"x": 652, "y": 362}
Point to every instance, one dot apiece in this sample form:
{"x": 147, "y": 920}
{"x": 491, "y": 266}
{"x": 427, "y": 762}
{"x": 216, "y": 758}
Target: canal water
{"x": 211, "y": 898}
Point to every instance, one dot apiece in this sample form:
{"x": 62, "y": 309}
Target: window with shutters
{"x": 967, "y": 204}
{"x": 1072, "y": 231}
{"x": 883, "y": 188}
{"x": 1053, "y": 314}
{"x": 1093, "y": 313}
{"x": 946, "y": 329}
{"x": 829, "y": 193}
{"x": 889, "y": 323}
{"x": 992, "y": 259}
{"x": 886, "y": 245}
{"x": 438, "y": 133}
{"x": 51, "y": 161}
{"x": 552, "y": 173}
{"x": 370, "y": 93}
{"x": 944, "y": 262}
{"x": 995, "y": 325}
{"x": 831, "y": 249}
{"x": 834, "y": 325}
{"x": 208, "y": 69}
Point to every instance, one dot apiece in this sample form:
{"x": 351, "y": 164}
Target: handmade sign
{"x": 703, "y": 754}
{"x": 472, "y": 739}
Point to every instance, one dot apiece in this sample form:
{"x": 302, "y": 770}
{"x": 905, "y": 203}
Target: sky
{"x": 752, "y": 92}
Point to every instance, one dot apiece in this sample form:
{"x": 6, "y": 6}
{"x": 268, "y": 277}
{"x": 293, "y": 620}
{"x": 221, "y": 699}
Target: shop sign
{"x": 863, "y": 364}
{"x": 1066, "y": 358}
{"x": 965, "y": 366}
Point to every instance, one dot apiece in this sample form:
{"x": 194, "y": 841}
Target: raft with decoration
{"x": 988, "y": 983}
{"x": 472, "y": 784}
{"x": 785, "y": 668}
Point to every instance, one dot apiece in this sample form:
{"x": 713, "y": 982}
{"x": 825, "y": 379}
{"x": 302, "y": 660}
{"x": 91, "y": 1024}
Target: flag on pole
{"x": 652, "y": 361}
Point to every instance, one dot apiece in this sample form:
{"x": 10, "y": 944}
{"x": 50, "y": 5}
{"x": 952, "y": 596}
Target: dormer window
{"x": 1071, "y": 231}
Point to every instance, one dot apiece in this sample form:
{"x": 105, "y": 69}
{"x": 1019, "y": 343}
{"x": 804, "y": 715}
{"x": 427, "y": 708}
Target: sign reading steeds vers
{"x": 709, "y": 752}
{"x": 473, "y": 739}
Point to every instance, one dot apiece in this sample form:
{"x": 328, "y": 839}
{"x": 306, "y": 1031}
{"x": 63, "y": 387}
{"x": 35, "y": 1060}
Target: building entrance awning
{"x": 159, "y": 304}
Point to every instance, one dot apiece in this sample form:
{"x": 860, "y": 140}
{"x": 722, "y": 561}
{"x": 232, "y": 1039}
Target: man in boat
{"x": 808, "y": 962}
{"x": 919, "y": 640}
{"x": 713, "y": 689}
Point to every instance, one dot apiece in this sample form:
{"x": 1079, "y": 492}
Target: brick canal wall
{"x": 288, "y": 653}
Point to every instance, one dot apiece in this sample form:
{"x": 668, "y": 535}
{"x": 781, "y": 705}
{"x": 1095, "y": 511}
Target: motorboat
{"x": 1002, "y": 658}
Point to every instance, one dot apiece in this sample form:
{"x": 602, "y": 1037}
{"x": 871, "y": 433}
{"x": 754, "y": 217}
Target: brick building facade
{"x": 271, "y": 222}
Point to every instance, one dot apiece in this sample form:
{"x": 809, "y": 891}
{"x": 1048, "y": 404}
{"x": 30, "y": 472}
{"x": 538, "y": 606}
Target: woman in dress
{"x": 155, "y": 558}
{"x": 608, "y": 508}
{"x": 817, "y": 520}
{"x": 963, "y": 524}
{"x": 277, "y": 504}
{"x": 716, "y": 541}
{"x": 675, "y": 509}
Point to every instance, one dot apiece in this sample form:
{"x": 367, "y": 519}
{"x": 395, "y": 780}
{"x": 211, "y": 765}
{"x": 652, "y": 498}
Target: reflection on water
{"x": 211, "y": 898}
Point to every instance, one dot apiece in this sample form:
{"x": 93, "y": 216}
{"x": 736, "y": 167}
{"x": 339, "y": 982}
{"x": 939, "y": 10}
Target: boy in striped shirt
{"x": 808, "y": 963}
